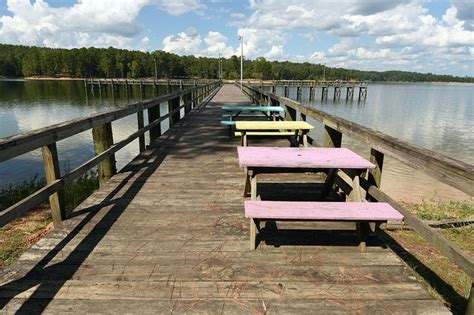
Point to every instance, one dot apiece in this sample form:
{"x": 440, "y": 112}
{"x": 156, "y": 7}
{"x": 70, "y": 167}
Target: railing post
{"x": 103, "y": 139}
{"x": 187, "y": 103}
{"x": 375, "y": 174}
{"x": 52, "y": 173}
{"x": 290, "y": 113}
{"x": 154, "y": 114}
{"x": 331, "y": 137}
{"x": 141, "y": 124}
{"x": 172, "y": 105}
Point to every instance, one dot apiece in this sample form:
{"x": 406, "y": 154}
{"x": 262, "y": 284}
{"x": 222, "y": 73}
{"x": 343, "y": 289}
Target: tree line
{"x": 24, "y": 61}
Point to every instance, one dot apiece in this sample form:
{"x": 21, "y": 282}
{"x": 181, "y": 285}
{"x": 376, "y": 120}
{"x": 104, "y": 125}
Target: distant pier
{"x": 339, "y": 88}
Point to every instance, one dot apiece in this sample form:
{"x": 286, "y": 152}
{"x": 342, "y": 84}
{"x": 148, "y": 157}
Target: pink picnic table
{"x": 257, "y": 160}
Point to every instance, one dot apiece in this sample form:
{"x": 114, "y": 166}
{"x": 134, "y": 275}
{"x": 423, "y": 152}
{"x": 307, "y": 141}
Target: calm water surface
{"x": 435, "y": 116}
{"x": 28, "y": 105}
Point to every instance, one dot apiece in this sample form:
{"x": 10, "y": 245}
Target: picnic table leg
{"x": 247, "y": 183}
{"x": 253, "y": 233}
{"x": 362, "y": 228}
{"x": 244, "y": 139}
{"x": 328, "y": 183}
{"x": 305, "y": 139}
{"x": 253, "y": 186}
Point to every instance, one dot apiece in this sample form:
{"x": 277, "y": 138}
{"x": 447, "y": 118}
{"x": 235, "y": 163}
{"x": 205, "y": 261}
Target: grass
{"x": 444, "y": 278}
{"x": 19, "y": 235}
{"x": 435, "y": 209}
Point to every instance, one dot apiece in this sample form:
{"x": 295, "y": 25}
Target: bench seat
{"x": 321, "y": 211}
{"x": 360, "y": 212}
{"x": 266, "y": 133}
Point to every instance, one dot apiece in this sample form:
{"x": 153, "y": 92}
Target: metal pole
{"x": 156, "y": 71}
{"x": 241, "y": 60}
{"x": 324, "y": 72}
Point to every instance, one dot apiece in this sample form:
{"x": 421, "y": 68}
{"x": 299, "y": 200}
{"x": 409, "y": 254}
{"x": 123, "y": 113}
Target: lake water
{"x": 28, "y": 105}
{"x": 435, "y": 116}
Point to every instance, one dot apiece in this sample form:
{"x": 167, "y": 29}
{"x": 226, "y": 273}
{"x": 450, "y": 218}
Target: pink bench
{"x": 360, "y": 212}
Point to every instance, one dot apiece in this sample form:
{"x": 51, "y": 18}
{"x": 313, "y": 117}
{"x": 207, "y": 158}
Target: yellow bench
{"x": 272, "y": 129}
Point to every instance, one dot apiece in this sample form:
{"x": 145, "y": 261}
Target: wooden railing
{"x": 452, "y": 172}
{"x": 105, "y": 148}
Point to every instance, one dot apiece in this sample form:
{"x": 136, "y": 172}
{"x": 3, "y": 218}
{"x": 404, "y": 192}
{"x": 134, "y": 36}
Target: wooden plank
{"x": 337, "y": 211}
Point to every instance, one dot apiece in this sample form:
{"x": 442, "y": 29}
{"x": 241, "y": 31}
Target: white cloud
{"x": 217, "y": 44}
{"x": 276, "y": 52}
{"x": 190, "y": 42}
{"x": 184, "y": 43}
{"x": 85, "y": 23}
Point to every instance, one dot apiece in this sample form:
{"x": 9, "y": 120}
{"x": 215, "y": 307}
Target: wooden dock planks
{"x": 167, "y": 234}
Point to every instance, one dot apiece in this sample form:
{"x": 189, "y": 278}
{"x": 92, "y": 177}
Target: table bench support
{"x": 362, "y": 228}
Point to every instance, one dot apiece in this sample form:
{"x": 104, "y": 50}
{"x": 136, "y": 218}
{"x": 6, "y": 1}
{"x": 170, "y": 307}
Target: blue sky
{"x": 414, "y": 35}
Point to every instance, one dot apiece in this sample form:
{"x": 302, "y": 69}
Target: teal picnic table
{"x": 233, "y": 113}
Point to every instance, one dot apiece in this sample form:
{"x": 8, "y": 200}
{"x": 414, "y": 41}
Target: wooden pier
{"x": 167, "y": 234}
{"x": 313, "y": 85}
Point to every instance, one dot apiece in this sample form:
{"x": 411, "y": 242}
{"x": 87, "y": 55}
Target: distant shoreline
{"x": 36, "y": 78}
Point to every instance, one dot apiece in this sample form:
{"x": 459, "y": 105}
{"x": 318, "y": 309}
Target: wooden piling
{"x": 324, "y": 93}
{"x": 52, "y": 173}
{"x": 103, "y": 139}
{"x": 337, "y": 92}
{"x": 350, "y": 93}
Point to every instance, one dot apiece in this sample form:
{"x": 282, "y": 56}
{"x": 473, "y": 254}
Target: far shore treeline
{"x": 23, "y": 61}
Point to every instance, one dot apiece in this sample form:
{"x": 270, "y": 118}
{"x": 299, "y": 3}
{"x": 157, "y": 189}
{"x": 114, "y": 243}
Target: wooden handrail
{"x": 450, "y": 171}
{"x": 45, "y": 137}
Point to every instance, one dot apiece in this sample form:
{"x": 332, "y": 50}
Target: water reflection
{"x": 29, "y": 105}
{"x": 431, "y": 115}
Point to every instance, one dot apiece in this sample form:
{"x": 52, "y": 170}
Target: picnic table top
{"x": 253, "y": 109}
{"x": 304, "y": 210}
{"x": 305, "y": 158}
{"x": 273, "y": 125}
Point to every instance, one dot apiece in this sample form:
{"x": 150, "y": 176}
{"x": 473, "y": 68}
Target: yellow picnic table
{"x": 271, "y": 129}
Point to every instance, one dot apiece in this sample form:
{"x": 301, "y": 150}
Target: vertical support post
{"x": 375, "y": 174}
{"x": 141, "y": 124}
{"x": 298, "y": 92}
{"x": 103, "y": 139}
{"x": 154, "y": 114}
{"x": 331, "y": 137}
{"x": 52, "y": 173}
{"x": 187, "y": 103}
{"x": 290, "y": 113}
{"x": 311, "y": 91}
{"x": 172, "y": 105}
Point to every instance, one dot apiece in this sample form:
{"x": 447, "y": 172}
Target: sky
{"x": 412, "y": 35}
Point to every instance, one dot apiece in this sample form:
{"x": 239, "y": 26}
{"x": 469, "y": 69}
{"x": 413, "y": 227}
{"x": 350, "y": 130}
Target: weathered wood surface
{"x": 339, "y": 158}
{"x": 168, "y": 234}
{"x": 304, "y": 210}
